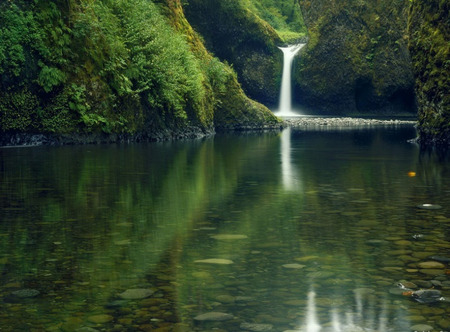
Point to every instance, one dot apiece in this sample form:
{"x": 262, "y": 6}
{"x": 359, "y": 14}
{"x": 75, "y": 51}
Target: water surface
{"x": 292, "y": 231}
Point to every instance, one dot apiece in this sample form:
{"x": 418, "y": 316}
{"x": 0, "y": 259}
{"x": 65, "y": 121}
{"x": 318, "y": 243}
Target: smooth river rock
{"x": 213, "y": 316}
{"x": 431, "y": 265}
{"x": 100, "y": 319}
{"x": 25, "y": 293}
{"x": 256, "y": 327}
{"x": 294, "y": 266}
{"x": 136, "y": 294}
{"x": 219, "y": 261}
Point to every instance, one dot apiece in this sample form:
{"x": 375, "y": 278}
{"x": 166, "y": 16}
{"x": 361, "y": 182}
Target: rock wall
{"x": 429, "y": 30}
{"x": 356, "y": 60}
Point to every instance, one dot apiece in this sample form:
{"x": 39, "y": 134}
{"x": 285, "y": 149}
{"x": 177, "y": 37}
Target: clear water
{"x": 318, "y": 229}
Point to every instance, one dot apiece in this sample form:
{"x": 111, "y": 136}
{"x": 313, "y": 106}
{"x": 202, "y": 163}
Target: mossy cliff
{"x": 429, "y": 30}
{"x": 356, "y": 60}
{"x": 113, "y": 70}
{"x": 237, "y": 35}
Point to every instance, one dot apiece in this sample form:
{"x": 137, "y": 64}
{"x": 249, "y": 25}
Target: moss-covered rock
{"x": 232, "y": 108}
{"x": 237, "y": 35}
{"x": 356, "y": 60}
{"x": 429, "y": 30}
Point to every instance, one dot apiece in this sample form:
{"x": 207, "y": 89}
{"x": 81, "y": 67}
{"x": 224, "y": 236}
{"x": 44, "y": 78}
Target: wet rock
{"x": 426, "y": 295}
{"x": 431, "y": 265}
{"x": 213, "y": 316}
{"x": 219, "y": 261}
{"x": 256, "y": 327}
{"x": 136, "y": 294}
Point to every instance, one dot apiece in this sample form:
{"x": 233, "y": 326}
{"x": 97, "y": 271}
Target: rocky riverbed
{"x": 315, "y": 123}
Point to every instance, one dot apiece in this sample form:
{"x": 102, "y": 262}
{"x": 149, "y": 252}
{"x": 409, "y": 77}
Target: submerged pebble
{"x": 219, "y": 261}
{"x": 25, "y": 293}
{"x": 135, "y": 294}
{"x": 213, "y": 316}
{"x": 256, "y": 327}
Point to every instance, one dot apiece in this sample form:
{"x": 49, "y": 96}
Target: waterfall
{"x": 285, "y": 108}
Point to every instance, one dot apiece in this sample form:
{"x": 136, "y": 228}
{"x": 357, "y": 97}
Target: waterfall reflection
{"x": 364, "y": 318}
{"x": 289, "y": 173}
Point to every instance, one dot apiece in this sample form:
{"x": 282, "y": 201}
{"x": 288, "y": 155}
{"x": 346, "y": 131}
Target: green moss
{"x": 356, "y": 59}
{"x": 430, "y": 50}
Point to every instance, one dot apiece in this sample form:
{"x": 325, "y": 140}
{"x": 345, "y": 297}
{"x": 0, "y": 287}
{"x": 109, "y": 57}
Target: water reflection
{"x": 220, "y": 226}
{"x": 289, "y": 172}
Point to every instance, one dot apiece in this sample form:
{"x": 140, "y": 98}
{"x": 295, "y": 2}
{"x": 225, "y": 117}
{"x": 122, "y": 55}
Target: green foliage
{"x": 58, "y": 117}
{"x": 285, "y": 16}
{"x": 429, "y": 46}
{"x": 18, "y": 110}
{"x": 104, "y": 66}
{"x": 50, "y": 77}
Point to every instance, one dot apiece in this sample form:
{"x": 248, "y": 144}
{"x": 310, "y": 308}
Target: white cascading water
{"x": 285, "y": 108}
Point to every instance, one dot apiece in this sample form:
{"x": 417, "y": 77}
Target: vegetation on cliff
{"x": 356, "y": 60}
{"x": 246, "y": 34}
{"x": 107, "y": 67}
{"x": 429, "y": 30}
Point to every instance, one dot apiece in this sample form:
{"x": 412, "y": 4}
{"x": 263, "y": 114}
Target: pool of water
{"x": 297, "y": 230}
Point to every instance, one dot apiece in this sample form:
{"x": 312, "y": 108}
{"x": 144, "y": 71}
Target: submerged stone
{"x": 219, "y": 261}
{"x": 135, "y": 294}
{"x": 100, "y": 319}
{"x": 431, "y": 265}
{"x": 214, "y": 316}
{"x": 293, "y": 266}
{"x": 25, "y": 293}
{"x": 432, "y": 272}
{"x": 256, "y": 327}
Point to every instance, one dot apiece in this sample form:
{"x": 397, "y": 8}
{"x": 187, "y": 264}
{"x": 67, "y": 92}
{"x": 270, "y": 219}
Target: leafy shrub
{"x": 18, "y": 110}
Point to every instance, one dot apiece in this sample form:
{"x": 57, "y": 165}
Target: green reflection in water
{"x": 319, "y": 226}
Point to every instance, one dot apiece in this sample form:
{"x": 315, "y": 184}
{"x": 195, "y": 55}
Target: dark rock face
{"x": 429, "y": 31}
{"x": 356, "y": 60}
